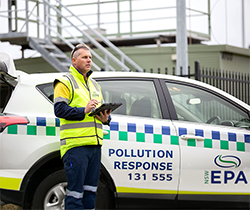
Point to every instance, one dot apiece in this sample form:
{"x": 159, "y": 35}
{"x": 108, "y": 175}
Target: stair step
{"x": 40, "y": 41}
{"x": 48, "y": 47}
{"x": 66, "y": 64}
{"x": 60, "y": 56}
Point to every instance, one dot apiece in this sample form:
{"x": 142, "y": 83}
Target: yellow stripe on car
{"x": 10, "y": 183}
{"x": 142, "y": 190}
{"x": 213, "y": 193}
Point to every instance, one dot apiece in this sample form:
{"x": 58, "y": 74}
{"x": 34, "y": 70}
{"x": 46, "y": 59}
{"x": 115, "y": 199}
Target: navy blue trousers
{"x": 82, "y": 168}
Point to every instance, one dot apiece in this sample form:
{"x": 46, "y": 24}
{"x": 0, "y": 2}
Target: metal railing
{"x": 127, "y": 18}
{"x": 46, "y": 20}
{"x": 97, "y": 34}
{"x": 115, "y": 18}
{"x": 234, "y": 83}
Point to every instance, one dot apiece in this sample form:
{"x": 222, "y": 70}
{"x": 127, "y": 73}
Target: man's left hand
{"x": 103, "y": 116}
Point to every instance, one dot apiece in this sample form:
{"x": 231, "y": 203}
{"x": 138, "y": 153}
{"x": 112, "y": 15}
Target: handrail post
{"x": 45, "y": 20}
{"x": 27, "y": 15}
{"x": 59, "y": 20}
{"x": 48, "y": 19}
{"x": 9, "y": 16}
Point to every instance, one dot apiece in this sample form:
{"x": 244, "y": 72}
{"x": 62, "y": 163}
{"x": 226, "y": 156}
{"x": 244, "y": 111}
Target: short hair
{"x": 77, "y": 47}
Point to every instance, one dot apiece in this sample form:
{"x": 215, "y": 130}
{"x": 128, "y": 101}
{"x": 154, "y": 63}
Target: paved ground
{"x": 10, "y": 207}
{"x": 14, "y": 207}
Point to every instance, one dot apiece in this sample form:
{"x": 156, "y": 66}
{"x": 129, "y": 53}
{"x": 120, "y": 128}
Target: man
{"x": 75, "y": 95}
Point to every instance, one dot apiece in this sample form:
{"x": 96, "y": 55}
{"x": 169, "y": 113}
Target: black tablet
{"x": 105, "y": 106}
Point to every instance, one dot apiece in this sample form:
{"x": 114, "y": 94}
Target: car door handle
{"x": 105, "y": 132}
{"x": 198, "y": 138}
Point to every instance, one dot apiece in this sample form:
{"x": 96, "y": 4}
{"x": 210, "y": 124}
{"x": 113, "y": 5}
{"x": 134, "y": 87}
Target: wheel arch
{"x": 41, "y": 169}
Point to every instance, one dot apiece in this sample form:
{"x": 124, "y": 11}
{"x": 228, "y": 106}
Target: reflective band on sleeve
{"x": 74, "y": 194}
{"x": 10, "y": 183}
{"x": 61, "y": 99}
{"x": 63, "y": 142}
{"x": 80, "y": 125}
{"x": 89, "y": 188}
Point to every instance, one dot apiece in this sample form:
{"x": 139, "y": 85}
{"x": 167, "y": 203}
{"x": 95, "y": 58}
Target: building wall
{"x": 235, "y": 62}
{"x": 34, "y": 65}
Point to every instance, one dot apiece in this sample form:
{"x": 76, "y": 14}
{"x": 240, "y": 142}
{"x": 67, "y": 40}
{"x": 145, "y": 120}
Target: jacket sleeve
{"x": 61, "y": 108}
{"x": 108, "y": 121}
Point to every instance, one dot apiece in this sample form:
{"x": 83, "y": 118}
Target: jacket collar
{"x": 77, "y": 73}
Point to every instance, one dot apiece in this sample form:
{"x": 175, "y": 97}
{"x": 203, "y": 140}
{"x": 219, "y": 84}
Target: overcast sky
{"x": 226, "y": 22}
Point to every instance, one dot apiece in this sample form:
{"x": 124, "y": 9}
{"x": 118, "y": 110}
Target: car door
{"x": 141, "y": 150}
{"x": 214, "y": 139}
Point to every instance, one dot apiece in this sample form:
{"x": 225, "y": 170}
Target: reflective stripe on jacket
{"x": 88, "y": 131}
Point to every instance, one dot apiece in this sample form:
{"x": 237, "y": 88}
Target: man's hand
{"x": 103, "y": 116}
{"x": 91, "y": 105}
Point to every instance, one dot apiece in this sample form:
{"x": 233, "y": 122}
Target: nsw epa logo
{"x": 227, "y": 161}
{"x": 226, "y": 173}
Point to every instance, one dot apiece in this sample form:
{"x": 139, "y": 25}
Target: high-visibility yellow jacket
{"x": 84, "y": 132}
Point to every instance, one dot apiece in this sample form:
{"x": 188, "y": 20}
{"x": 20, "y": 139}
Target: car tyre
{"x": 105, "y": 197}
{"x": 51, "y": 192}
{"x": 46, "y": 198}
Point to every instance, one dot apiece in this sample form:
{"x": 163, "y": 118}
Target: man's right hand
{"x": 91, "y": 105}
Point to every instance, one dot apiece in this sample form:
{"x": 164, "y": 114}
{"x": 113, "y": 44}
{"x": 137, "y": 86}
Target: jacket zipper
{"x": 97, "y": 137}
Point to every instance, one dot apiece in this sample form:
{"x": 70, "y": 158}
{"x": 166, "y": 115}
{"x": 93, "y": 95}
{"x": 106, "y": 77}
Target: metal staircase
{"x": 59, "y": 60}
{"x": 52, "y": 54}
{"x": 110, "y": 58}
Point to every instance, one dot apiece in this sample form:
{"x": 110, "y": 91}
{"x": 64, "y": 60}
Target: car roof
{"x": 40, "y": 78}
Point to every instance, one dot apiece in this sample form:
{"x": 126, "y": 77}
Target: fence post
{"x": 166, "y": 70}
{"x": 197, "y": 71}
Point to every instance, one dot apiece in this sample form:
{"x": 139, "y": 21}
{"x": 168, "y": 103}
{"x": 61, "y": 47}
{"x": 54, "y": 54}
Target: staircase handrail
{"x": 61, "y": 37}
{"x": 105, "y": 40}
{"x": 93, "y": 41}
{"x": 79, "y": 41}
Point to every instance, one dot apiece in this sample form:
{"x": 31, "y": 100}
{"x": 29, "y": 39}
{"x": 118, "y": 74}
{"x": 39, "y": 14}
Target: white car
{"x": 173, "y": 139}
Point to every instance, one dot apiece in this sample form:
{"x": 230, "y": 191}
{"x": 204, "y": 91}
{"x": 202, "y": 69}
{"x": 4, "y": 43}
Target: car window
{"x": 138, "y": 98}
{"x": 197, "y": 105}
{"x": 47, "y": 90}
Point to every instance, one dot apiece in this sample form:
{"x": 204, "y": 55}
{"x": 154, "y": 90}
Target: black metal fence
{"x": 234, "y": 83}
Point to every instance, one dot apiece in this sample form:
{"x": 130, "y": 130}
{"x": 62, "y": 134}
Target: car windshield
{"x": 197, "y": 105}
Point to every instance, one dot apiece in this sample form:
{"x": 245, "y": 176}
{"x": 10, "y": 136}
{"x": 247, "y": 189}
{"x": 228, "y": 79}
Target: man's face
{"x": 83, "y": 61}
